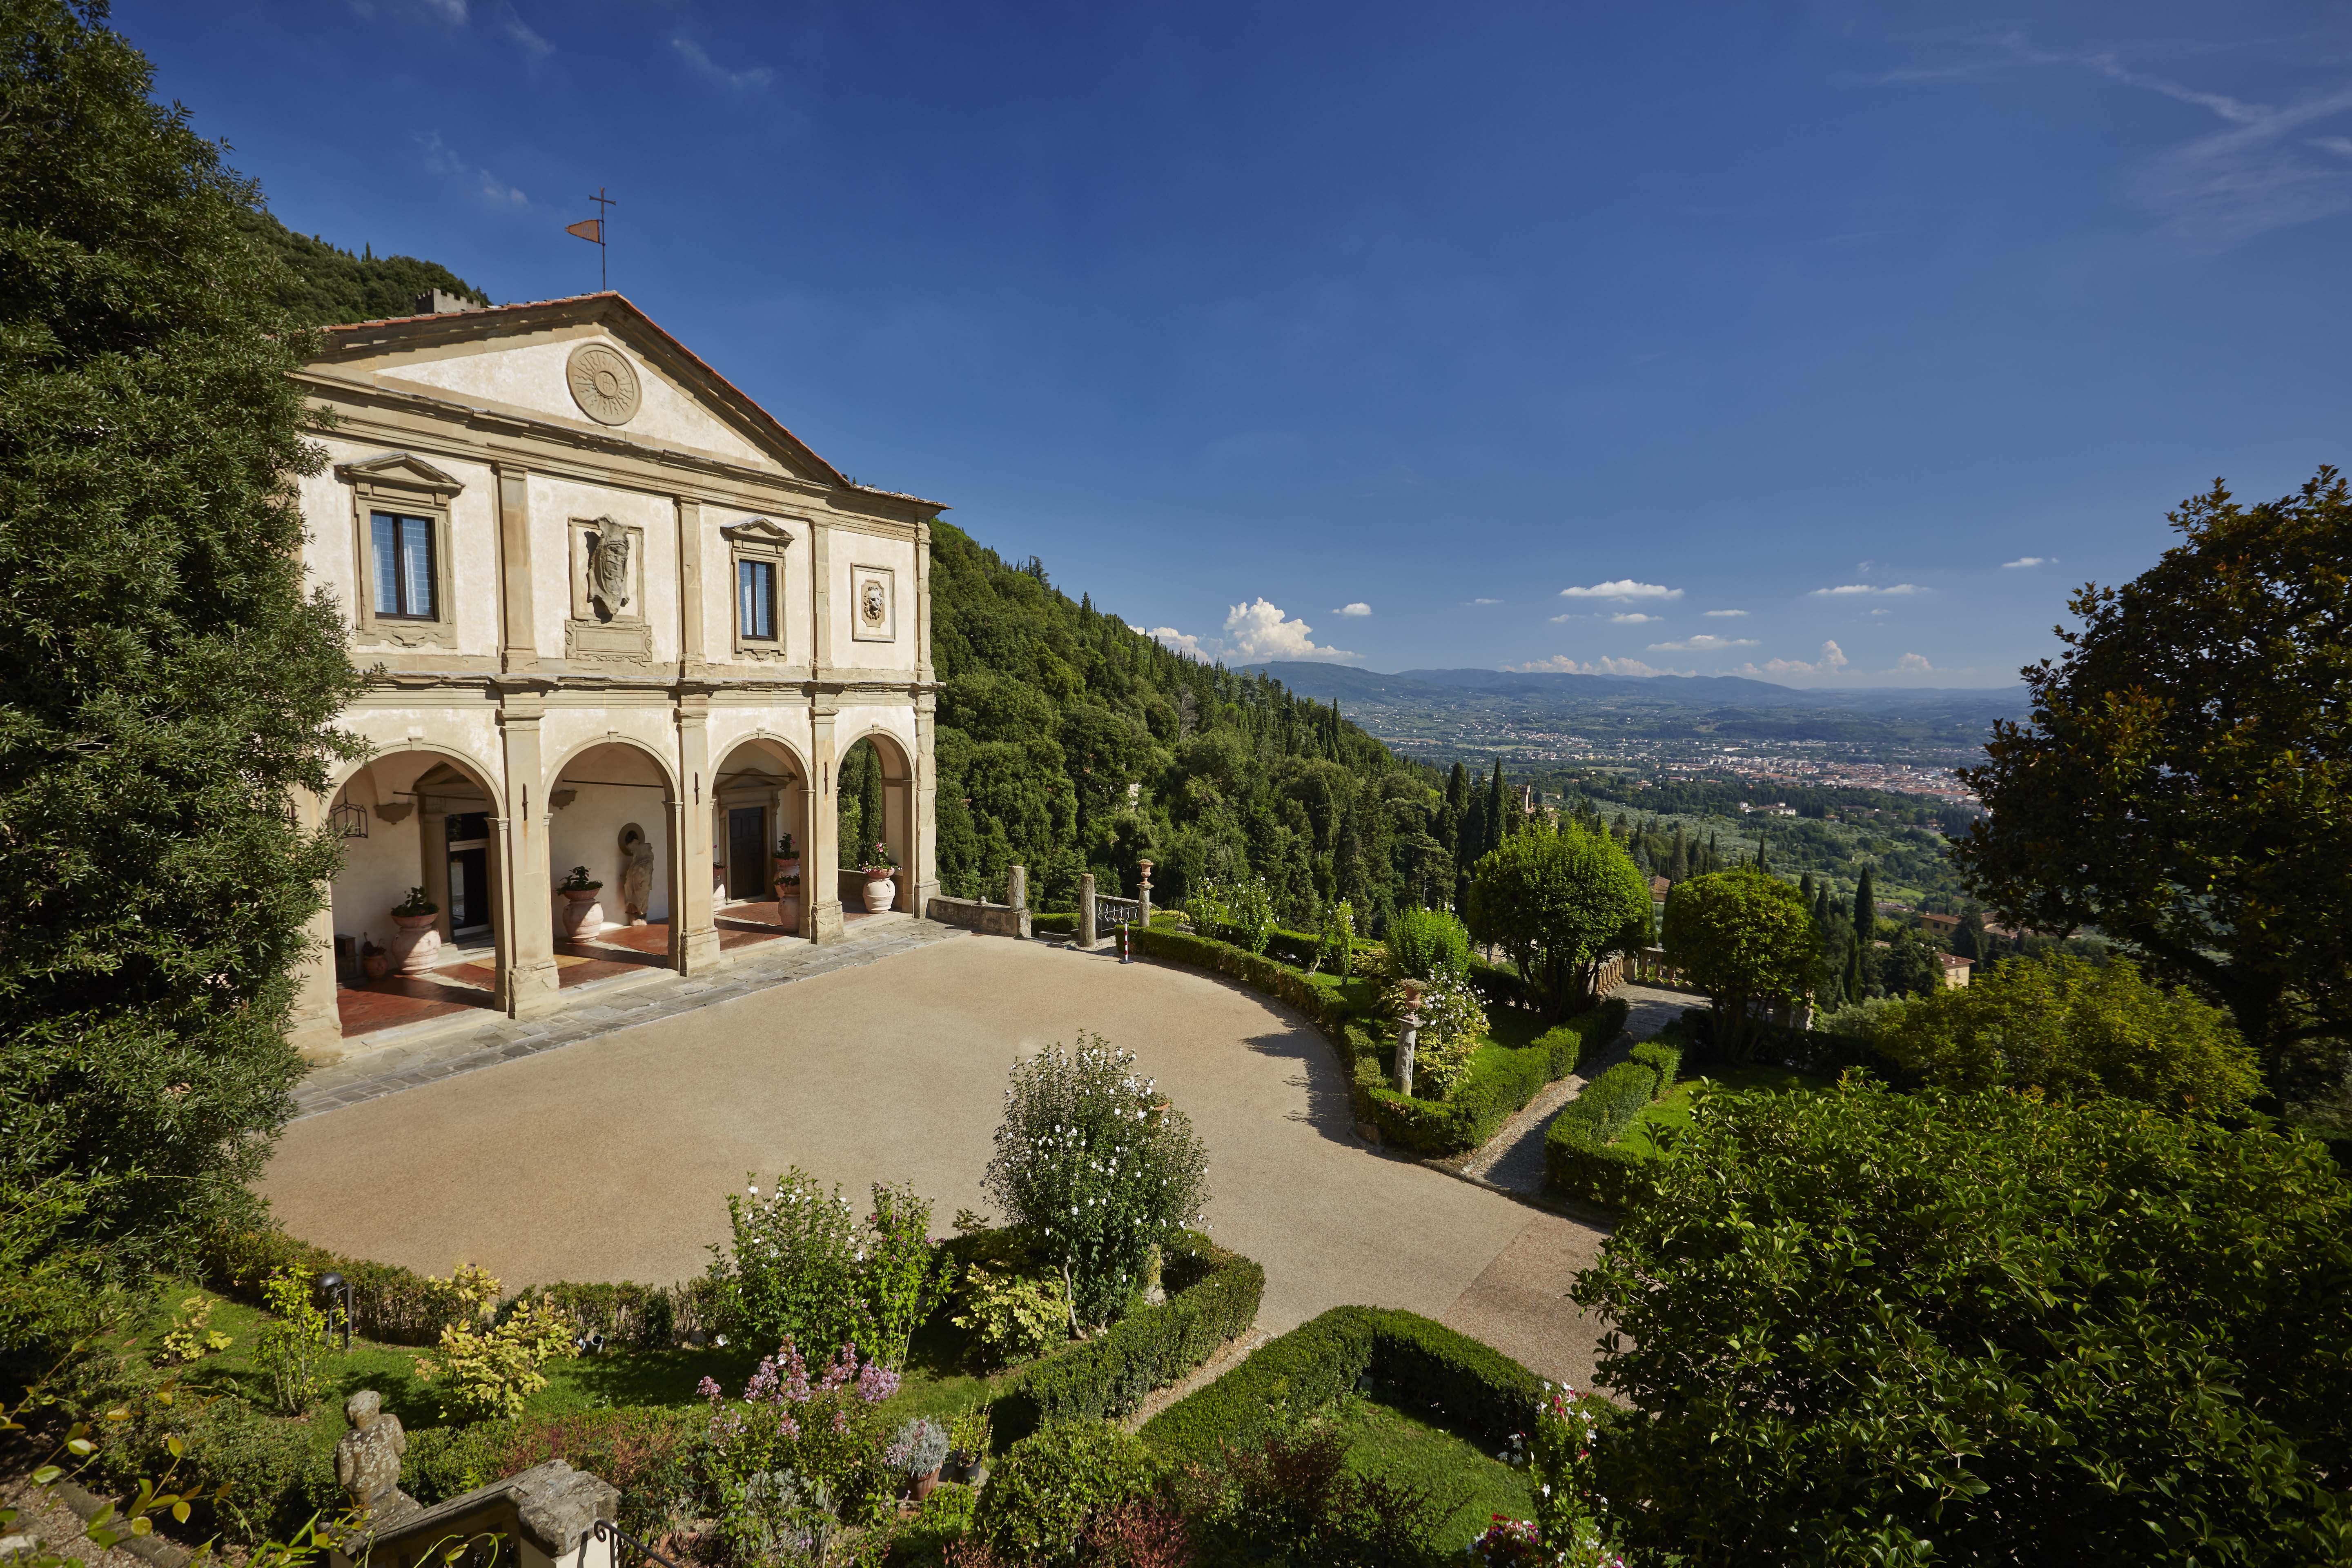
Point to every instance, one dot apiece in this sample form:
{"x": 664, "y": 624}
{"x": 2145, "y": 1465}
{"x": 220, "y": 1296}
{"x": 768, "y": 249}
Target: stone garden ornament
{"x": 637, "y": 873}
{"x": 367, "y": 1461}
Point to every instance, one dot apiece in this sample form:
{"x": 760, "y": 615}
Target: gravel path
{"x": 1513, "y": 1157}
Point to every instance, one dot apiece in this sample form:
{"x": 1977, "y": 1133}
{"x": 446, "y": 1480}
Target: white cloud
{"x": 2027, "y": 560}
{"x": 1911, "y": 664}
{"x": 1561, "y": 664}
{"x": 1184, "y": 643}
{"x": 1358, "y": 608}
{"x": 1259, "y": 630}
{"x": 1702, "y": 642}
{"x": 1882, "y": 611}
{"x": 1634, "y": 618}
{"x": 1831, "y": 659}
{"x": 1558, "y": 619}
{"x": 1624, "y": 588}
{"x": 694, "y": 55}
{"x": 1720, "y": 614}
{"x": 1846, "y": 590}
{"x": 1485, "y": 601}
{"x": 530, "y": 42}
{"x": 440, "y": 159}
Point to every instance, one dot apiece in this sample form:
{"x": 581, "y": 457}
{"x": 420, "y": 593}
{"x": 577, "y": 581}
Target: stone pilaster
{"x": 525, "y": 933}
{"x": 315, "y": 1027}
{"x": 693, "y": 651}
{"x": 923, "y": 800}
{"x": 821, "y": 866}
{"x": 516, "y": 611}
{"x": 693, "y": 935}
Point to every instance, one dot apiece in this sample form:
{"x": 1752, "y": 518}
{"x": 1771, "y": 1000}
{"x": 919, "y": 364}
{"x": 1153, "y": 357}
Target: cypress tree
{"x": 1865, "y": 908}
{"x": 1496, "y": 828}
{"x": 169, "y": 684}
{"x": 1805, "y": 888}
{"x": 1854, "y": 970}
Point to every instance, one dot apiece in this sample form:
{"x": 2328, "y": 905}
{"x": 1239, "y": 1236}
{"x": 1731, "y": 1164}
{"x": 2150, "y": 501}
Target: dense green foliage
{"x": 1425, "y": 943}
{"x": 1053, "y": 1483}
{"x": 1559, "y": 901}
{"x": 321, "y": 285}
{"x": 2072, "y": 1027}
{"x": 1742, "y": 936}
{"x": 1582, "y": 1155}
{"x": 1864, "y": 1326}
{"x": 166, "y": 687}
{"x": 1068, "y": 742}
{"x": 2185, "y": 778}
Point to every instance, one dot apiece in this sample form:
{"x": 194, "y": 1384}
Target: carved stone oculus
{"x": 603, "y": 384}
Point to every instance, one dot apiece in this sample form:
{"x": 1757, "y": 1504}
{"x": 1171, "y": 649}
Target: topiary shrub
{"x": 1662, "y": 1057}
{"x": 1051, "y": 1485}
{"x": 1426, "y": 943}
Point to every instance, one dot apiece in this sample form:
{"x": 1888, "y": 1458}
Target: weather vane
{"x": 591, "y": 229}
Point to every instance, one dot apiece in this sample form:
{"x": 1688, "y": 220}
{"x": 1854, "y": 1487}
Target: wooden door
{"x": 747, "y": 852}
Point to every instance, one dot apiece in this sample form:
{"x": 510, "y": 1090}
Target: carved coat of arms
{"x": 608, "y": 571}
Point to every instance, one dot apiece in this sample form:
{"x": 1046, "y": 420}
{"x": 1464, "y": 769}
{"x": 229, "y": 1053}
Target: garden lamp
{"x": 333, "y": 1284}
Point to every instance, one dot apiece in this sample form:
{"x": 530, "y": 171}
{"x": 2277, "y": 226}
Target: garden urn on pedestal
{"x": 1408, "y": 1031}
{"x": 881, "y": 892}
{"x": 581, "y": 914}
{"x": 416, "y": 942}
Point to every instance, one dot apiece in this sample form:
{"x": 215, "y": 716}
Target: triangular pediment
{"x": 594, "y": 365}
{"x": 758, "y": 531}
{"x": 401, "y": 468}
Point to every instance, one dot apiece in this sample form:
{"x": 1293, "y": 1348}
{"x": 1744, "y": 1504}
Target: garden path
{"x": 611, "y": 1158}
{"x": 1514, "y": 1157}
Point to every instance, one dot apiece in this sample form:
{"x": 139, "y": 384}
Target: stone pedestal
{"x": 1089, "y": 933}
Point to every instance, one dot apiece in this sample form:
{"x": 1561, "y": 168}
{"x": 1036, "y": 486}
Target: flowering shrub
{"x": 1564, "y": 1531}
{"x": 1098, "y": 1166}
{"x": 802, "y": 1268}
{"x": 1241, "y": 913}
{"x": 797, "y": 1457}
{"x": 1451, "y": 1025}
{"x": 1334, "y": 946}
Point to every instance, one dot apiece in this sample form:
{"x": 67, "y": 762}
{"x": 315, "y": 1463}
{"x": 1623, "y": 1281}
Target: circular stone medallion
{"x": 602, "y": 384}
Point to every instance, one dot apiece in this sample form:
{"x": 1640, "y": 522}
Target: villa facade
{"x": 613, "y": 615}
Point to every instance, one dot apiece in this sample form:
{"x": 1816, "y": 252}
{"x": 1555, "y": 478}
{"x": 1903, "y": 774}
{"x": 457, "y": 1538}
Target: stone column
{"x": 1143, "y": 894}
{"x": 693, "y": 652}
{"x": 923, "y": 796}
{"x": 1016, "y": 886}
{"x": 1087, "y": 929}
{"x": 1408, "y": 1033}
{"x": 315, "y": 1027}
{"x": 820, "y": 864}
{"x": 516, "y": 611}
{"x": 527, "y": 983}
{"x": 693, "y": 936}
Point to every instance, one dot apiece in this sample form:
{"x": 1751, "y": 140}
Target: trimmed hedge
{"x": 1414, "y": 1362}
{"x": 1581, "y": 1155}
{"x": 1500, "y": 1081}
{"x": 397, "y": 1306}
{"x": 1663, "y": 1056}
{"x": 1152, "y": 1347}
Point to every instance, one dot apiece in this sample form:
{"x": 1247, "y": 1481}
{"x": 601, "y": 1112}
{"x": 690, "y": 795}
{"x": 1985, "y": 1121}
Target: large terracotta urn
{"x": 414, "y": 944}
{"x": 787, "y": 906}
{"x": 881, "y": 892}
{"x": 581, "y": 914}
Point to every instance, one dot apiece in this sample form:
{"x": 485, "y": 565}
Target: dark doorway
{"x": 470, "y": 873}
{"x": 747, "y": 852}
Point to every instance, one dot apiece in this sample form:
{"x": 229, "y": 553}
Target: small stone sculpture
{"x": 367, "y": 1461}
{"x": 608, "y": 573}
{"x": 637, "y": 873}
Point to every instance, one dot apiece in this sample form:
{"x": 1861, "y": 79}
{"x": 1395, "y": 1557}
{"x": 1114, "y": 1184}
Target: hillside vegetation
{"x": 1068, "y": 742}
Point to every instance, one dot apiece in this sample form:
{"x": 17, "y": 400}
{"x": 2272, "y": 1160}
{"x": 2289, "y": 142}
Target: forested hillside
{"x": 324, "y": 284}
{"x": 1069, "y": 742}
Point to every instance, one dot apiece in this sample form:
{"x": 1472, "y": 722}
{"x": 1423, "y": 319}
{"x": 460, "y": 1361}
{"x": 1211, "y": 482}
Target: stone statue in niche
{"x": 637, "y": 873}
{"x": 608, "y": 571}
{"x": 367, "y": 1461}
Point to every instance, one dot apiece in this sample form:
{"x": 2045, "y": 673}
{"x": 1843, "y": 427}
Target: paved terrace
{"x": 603, "y": 1147}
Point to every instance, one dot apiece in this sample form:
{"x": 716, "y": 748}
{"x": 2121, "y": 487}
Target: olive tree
{"x": 1742, "y": 936}
{"x": 1559, "y": 901}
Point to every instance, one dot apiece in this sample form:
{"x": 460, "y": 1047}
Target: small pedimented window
{"x": 402, "y": 547}
{"x": 756, "y": 569}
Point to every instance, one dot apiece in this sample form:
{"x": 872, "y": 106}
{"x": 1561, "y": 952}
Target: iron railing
{"x": 605, "y": 1530}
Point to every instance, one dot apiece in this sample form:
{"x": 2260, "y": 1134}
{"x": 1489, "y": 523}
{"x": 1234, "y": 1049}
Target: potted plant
{"x": 582, "y": 912}
{"x": 881, "y": 892}
{"x": 968, "y": 1444}
{"x": 416, "y": 941}
{"x": 788, "y": 860}
{"x": 374, "y": 962}
{"x": 919, "y": 1451}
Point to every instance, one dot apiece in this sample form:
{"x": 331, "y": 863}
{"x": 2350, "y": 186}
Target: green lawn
{"x": 1673, "y": 1111}
{"x": 1383, "y": 1439}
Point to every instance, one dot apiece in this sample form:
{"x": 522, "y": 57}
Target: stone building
{"x": 613, "y": 616}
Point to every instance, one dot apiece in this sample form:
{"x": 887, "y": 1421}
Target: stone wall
{"x": 977, "y": 915}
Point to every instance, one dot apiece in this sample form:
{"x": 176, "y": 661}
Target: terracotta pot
{"x": 415, "y": 943}
{"x": 923, "y": 1484}
{"x": 881, "y": 892}
{"x": 375, "y": 965}
{"x": 787, "y": 866}
{"x": 582, "y": 912}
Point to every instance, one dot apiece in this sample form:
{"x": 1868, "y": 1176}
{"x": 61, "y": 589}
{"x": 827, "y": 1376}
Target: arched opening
{"x": 416, "y": 906}
{"x": 759, "y": 835}
{"x": 877, "y": 812}
{"x": 608, "y": 843}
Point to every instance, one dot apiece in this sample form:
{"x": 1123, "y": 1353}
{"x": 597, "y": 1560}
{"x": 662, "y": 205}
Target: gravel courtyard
{"x": 611, "y": 1158}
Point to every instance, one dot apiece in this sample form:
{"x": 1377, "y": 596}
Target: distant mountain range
{"x": 1461, "y": 706}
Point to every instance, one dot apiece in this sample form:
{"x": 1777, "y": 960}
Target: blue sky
{"x": 1881, "y": 326}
